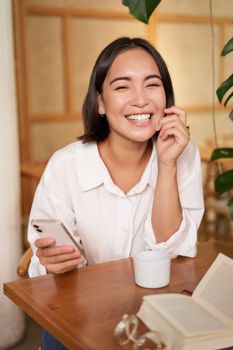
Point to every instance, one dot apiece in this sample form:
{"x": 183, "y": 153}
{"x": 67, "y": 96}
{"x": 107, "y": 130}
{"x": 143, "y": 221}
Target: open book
{"x": 201, "y": 322}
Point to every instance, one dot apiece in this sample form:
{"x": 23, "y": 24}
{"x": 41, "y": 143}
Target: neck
{"x": 125, "y": 151}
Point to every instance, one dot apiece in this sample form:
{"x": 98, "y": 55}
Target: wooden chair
{"x": 22, "y": 269}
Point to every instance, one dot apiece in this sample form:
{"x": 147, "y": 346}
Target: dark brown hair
{"x": 96, "y": 128}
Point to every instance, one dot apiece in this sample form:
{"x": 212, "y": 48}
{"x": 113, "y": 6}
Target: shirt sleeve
{"x": 51, "y": 201}
{"x": 189, "y": 177}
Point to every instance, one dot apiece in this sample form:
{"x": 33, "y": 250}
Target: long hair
{"x": 96, "y": 128}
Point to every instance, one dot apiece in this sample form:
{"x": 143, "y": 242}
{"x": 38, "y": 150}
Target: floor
{"x": 31, "y": 338}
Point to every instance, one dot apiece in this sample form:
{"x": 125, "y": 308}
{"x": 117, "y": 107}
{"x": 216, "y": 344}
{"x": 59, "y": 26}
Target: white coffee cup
{"x": 152, "y": 269}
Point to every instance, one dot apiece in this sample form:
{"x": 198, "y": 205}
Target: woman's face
{"x": 133, "y": 96}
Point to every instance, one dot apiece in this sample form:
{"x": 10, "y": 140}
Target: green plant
{"x": 224, "y": 181}
{"x": 142, "y": 10}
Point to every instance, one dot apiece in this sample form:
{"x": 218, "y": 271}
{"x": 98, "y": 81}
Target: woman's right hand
{"x": 57, "y": 259}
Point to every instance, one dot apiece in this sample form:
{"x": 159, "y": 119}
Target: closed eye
{"x": 153, "y": 85}
{"x": 121, "y": 88}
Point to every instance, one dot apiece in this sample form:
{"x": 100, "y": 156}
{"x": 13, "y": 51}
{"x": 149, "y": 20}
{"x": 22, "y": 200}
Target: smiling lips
{"x": 139, "y": 117}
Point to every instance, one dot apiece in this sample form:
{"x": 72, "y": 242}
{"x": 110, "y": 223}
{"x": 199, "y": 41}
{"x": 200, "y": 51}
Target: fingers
{"x": 177, "y": 111}
{"x": 57, "y": 267}
{"x": 57, "y": 259}
{"x": 173, "y": 114}
{"x": 173, "y": 124}
{"x": 179, "y": 137}
{"x": 45, "y": 242}
{"x": 48, "y": 251}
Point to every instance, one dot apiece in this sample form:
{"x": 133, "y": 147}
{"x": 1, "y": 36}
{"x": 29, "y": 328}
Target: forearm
{"x": 166, "y": 211}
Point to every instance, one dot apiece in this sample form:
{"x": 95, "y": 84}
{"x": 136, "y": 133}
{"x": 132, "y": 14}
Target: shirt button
{"x": 125, "y": 231}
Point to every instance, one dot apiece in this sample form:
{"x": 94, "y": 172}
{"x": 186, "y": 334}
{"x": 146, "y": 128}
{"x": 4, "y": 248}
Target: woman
{"x": 133, "y": 180}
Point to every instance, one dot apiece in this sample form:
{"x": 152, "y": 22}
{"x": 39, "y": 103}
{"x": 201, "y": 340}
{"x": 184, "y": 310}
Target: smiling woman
{"x": 104, "y": 67}
{"x": 127, "y": 185}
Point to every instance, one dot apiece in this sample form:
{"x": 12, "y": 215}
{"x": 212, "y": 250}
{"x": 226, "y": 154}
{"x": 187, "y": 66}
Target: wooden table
{"x": 82, "y": 308}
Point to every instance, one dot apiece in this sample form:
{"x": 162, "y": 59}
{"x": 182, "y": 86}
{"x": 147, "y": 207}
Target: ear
{"x": 101, "y": 108}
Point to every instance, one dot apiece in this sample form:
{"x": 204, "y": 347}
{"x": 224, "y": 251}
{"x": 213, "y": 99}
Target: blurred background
{"x": 54, "y": 46}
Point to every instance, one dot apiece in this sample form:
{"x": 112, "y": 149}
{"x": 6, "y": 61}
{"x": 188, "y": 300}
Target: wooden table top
{"x": 82, "y": 308}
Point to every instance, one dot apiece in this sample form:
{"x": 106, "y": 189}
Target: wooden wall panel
{"x": 221, "y": 8}
{"x": 201, "y": 127}
{"x": 99, "y": 33}
{"x": 109, "y": 5}
{"x": 45, "y": 65}
{"x": 187, "y": 50}
{"x": 51, "y": 136}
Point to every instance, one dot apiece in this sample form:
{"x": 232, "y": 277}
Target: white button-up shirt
{"x": 76, "y": 188}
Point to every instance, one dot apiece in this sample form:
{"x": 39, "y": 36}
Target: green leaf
{"x": 222, "y": 153}
{"x": 224, "y": 87}
{"x": 224, "y": 182}
{"x": 227, "y": 48}
{"x": 228, "y": 98}
{"x": 141, "y": 9}
{"x": 230, "y": 205}
{"x": 231, "y": 115}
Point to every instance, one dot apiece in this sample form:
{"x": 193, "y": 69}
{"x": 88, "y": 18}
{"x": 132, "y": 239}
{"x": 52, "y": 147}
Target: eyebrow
{"x": 128, "y": 78}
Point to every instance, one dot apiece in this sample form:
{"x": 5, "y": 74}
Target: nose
{"x": 139, "y": 98}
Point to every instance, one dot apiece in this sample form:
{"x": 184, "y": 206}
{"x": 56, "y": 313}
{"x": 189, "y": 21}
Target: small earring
{"x": 102, "y": 115}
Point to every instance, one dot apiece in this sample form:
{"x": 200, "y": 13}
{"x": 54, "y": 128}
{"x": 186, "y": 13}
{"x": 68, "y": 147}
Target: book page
{"x": 215, "y": 291}
{"x": 186, "y": 315}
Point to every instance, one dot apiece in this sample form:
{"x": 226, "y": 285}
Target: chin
{"x": 142, "y": 138}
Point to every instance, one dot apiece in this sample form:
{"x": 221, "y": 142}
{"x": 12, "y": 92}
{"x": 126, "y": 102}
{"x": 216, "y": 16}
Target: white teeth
{"x": 139, "y": 117}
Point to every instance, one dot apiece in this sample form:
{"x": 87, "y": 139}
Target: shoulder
{"x": 72, "y": 151}
{"x": 67, "y": 159}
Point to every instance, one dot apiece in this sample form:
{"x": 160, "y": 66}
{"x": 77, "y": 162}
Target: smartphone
{"x": 56, "y": 229}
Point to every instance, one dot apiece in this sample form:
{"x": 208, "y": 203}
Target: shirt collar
{"x": 92, "y": 172}
{"x": 89, "y": 169}
{"x": 149, "y": 176}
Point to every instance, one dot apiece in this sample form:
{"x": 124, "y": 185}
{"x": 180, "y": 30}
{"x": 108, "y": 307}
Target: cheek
{"x": 163, "y": 99}
{"x": 159, "y": 98}
{"x": 113, "y": 104}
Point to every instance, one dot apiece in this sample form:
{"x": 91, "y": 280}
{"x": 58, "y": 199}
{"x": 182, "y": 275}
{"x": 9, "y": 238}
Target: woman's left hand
{"x": 173, "y": 135}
